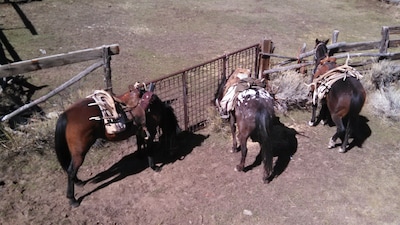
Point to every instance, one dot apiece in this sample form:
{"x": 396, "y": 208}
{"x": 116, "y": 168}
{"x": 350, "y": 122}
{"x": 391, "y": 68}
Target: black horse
{"x": 161, "y": 121}
{"x": 343, "y": 98}
{"x": 254, "y": 115}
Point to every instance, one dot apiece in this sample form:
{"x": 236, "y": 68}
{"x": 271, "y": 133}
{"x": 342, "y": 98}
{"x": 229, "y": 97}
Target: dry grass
{"x": 290, "y": 89}
{"x": 382, "y": 83}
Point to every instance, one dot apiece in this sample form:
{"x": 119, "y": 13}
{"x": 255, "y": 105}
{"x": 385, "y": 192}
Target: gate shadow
{"x": 137, "y": 162}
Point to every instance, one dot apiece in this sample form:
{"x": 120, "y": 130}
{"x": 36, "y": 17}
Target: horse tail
{"x": 356, "y": 104}
{"x": 357, "y": 99}
{"x": 61, "y": 145}
{"x": 264, "y": 125}
{"x": 169, "y": 121}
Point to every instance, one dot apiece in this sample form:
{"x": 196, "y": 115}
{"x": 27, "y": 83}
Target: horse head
{"x": 231, "y": 80}
{"x": 321, "y": 51}
{"x": 132, "y": 101}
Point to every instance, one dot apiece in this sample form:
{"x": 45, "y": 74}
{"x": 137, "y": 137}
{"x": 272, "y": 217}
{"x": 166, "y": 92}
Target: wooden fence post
{"x": 107, "y": 69}
{"x": 385, "y": 40}
{"x": 335, "y": 36}
{"x": 266, "y": 47}
{"x": 303, "y": 69}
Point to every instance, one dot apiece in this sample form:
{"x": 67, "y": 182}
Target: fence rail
{"x": 381, "y": 47}
{"x": 17, "y": 68}
{"x": 191, "y": 91}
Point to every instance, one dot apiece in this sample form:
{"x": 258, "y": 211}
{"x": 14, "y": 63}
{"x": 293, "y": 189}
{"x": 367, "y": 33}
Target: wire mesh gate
{"x": 191, "y": 91}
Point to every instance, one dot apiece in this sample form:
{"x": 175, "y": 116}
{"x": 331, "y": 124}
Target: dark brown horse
{"x": 342, "y": 94}
{"x": 161, "y": 121}
{"x": 76, "y": 132}
{"x": 254, "y": 115}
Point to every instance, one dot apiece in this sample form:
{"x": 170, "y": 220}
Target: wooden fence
{"x": 103, "y": 53}
{"x": 344, "y": 49}
{"x": 191, "y": 91}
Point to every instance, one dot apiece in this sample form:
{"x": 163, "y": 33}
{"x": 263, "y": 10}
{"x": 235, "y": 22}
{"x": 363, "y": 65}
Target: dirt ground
{"x": 199, "y": 185}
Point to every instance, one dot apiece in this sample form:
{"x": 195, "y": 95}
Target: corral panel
{"x": 192, "y": 91}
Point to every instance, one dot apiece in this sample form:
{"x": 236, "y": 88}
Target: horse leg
{"x": 343, "y": 148}
{"x": 72, "y": 171}
{"x": 313, "y": 121}
{"x": 340, "y": 129}
{"x": 172, "y": 143}
{"x": 232, "y": 122}
{"x": 323, "y": 113}
{"x": 150, "y": 148}
{"x": 243, "y": 149}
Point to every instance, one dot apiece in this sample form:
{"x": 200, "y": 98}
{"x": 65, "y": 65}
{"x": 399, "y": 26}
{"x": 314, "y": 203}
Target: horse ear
{"x": 326, "y": 42}
{"x": 316, "y": 41}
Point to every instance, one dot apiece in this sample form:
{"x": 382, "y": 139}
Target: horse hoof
{"x": 266, "y": 181}
{"x": 238, "y": 168}
{"x": 156, "y": 168}
{"x": 311, "y": 124}
{"x": 74, "y": 203}
{"x": 331, "y": 144}
{"x": 342, "y": 150}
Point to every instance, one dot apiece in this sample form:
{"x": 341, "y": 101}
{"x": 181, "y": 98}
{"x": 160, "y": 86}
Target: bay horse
{"x": 75, "y": 133}
{"x": 160, "y": 120}
{"x": 253, "y": 113}
{"x": 344, "y": 97}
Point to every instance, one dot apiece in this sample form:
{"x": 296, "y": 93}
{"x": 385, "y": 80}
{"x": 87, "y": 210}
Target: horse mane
{"x": 169, "y": 120}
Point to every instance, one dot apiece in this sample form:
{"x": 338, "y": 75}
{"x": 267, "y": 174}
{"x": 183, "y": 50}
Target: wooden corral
{"x": 191, "y": 91}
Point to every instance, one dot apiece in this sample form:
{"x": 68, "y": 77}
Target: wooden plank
{"x": 358, "y": 46}
{"x": 394, "y": 29}
{"x": 280, "y": 69}
{"x": 394, "y": 43}
{"x": 385, "y": 40}
{"x": 56, "y": 60}
{"x": 54, "y": 92}
{"x": 266, "y": 47}
{"x": 346, "y": 47}
{"x": 392, "y": 56}
{"x": 335, "y": 36}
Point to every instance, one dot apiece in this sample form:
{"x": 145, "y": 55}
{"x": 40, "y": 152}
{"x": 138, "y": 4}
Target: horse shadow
{"x": 137, "y": 161}
{"x": 284, "y": 143}
{"x": 359, "y": 132}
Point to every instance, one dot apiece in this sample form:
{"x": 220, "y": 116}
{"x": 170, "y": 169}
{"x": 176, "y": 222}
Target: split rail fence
{"x": 191, "y": 91}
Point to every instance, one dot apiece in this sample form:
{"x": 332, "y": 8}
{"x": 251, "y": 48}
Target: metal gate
{"x": 191, "y": 91}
